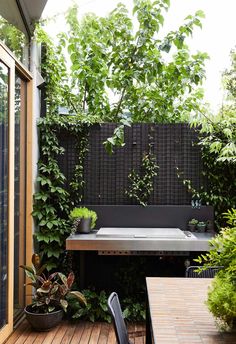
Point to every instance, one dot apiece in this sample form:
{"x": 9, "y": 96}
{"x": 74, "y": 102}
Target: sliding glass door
{"x": 15, "y": 187}
{"x": 19, "y": 193}
{"x": 4, "y": 75}
{"x": 7, "y": 75}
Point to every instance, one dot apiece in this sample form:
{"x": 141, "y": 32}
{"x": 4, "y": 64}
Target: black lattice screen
{"x": 106, "y": 177}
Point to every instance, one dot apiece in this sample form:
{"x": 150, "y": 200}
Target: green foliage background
{"x": 222, "y": 294}
{"x": 119, "y": 74}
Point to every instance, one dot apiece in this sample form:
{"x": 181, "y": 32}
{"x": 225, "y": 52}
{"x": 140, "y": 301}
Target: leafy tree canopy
{"x": 116, "y": 71}
{"x": 219, "y": 131}
{"x": 13, "y": 38}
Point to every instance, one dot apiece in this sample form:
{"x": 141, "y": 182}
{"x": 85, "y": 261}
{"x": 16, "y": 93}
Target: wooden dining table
{"x": 177, "y": 313}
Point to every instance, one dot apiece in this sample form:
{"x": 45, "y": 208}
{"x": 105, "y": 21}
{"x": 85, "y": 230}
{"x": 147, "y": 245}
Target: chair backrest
{"x": 118, "y": 320}
{"x": 208, "y": 273}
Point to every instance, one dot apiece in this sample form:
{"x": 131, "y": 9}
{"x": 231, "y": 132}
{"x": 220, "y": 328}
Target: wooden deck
{"x": 74, "y": 333}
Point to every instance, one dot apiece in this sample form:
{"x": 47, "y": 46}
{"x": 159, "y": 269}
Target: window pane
{"x": 19, "y": 205}
{"x": 14, "y": 39}
{"x": 3, "y": 191}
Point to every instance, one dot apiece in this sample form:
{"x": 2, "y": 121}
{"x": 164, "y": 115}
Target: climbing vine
{"x": 141, "y": 184}
{"x": 217, "y": 141}
{"x": 52, "y": 202}
{"x": 77, "y": 183}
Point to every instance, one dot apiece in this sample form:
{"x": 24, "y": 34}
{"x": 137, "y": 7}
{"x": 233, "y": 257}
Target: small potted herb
{"x": 51, "y": 296}
{"x": 201, "y": 226}
{"x": 192, "y": 225}
{"x": 210, "y": 226}
{"x": 84, "y": 219}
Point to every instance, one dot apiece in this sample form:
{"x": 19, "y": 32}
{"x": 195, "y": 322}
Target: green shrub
{"x": 96, "y": 309}
{"x": 222, "y": 299}
{"x": 85, "y": 213}
{"x": 222, "y": 247}
{"x": 222, "y": 295}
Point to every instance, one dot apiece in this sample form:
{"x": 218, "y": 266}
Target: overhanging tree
{"x": 115, "y": 73}
{"x": 117, "y": 70}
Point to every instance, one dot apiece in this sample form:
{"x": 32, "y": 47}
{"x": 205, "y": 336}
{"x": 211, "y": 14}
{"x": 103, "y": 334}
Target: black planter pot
{"x": 43, "y": 321}
{"x": 201, "y": 228}
{"x": 84, "y": 225}
{"x": 191, "y": 228}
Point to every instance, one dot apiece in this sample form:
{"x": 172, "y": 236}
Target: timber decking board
{"x": 74, "y": 333}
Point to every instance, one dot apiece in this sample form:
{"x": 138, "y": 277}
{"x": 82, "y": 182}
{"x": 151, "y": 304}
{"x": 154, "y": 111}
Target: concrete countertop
{"x": 91, "y": 242}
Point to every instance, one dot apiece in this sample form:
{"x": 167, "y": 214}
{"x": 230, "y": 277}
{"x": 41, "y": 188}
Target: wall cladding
{"x": 106, "y": 177}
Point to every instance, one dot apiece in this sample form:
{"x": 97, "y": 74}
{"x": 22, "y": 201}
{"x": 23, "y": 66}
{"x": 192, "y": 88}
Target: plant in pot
{"x": 222, "y": 294}
{"x": 192, "y": 225}
{"x": 84, "y": 219}
{"x": 50, "y": 297}
{"x": 201, "y": 226}
{"x": 210, "y": 226}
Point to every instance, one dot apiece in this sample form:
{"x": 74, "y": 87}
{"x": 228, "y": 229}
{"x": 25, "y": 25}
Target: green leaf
{"x": 79, "y": 296}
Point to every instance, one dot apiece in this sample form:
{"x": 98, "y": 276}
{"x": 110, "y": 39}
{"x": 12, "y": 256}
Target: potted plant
{"x": 50, "y": 297}
{"x": 192, "y": 225}
{"x": 210, "y": 226}
{"x": 201, "y": 226}
{"x": 222, "y": 294}
{"x": 84, "y": 219}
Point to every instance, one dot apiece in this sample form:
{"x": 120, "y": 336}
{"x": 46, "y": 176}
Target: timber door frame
{"x": 14, "y": 65}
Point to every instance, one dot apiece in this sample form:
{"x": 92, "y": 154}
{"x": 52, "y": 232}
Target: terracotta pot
{"x": 43, "y": 321}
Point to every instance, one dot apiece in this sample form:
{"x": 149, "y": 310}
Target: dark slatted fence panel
{"x": 106, "y": 176}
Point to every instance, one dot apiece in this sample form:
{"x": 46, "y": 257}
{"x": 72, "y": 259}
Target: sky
{"x": 217, "y": 37}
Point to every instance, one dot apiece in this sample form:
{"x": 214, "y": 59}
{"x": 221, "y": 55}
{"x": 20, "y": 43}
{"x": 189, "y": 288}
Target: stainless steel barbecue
{"x": 118, "y": 232}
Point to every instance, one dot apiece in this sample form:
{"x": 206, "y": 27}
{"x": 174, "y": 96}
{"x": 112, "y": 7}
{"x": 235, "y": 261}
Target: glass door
{"x": 15, "y": 187}
{"x": 20, "y": 193}
{"x": 3, "y": 190}
{"x": 7, "y": 76}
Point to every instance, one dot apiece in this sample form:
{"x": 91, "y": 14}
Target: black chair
{"x": 118, "y": 320}
{"x": 208, "y": 273}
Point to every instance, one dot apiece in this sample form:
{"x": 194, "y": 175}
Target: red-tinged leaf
{"x": 46, "y": 284}
{"x": 41, "y": 269}
{"x": 70, "y": 279}
{"x": 52, "y": 276}
{"x": 63, "y": 278}
{"x": 63, "y": 289}
{"x": 40, "y": 279}
{"x": 36, "y": 260}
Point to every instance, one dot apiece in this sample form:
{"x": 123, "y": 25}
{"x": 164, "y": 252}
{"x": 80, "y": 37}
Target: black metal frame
{"x": 106, "y": 176}
{"x": 210, "y": 272}
{"x": 118, "y": 320}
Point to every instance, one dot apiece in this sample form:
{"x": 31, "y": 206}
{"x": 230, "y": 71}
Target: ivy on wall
{"x": 52, "y": 203}
{"x": 217, "y": 139}
{"x": 141, "y": 185}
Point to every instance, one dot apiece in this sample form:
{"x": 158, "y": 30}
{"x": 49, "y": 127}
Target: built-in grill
{"x": 126, "y": 229}
{"x": 118, "y": 232}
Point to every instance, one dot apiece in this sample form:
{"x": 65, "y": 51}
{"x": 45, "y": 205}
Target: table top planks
{"x": 178, "y": 312}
